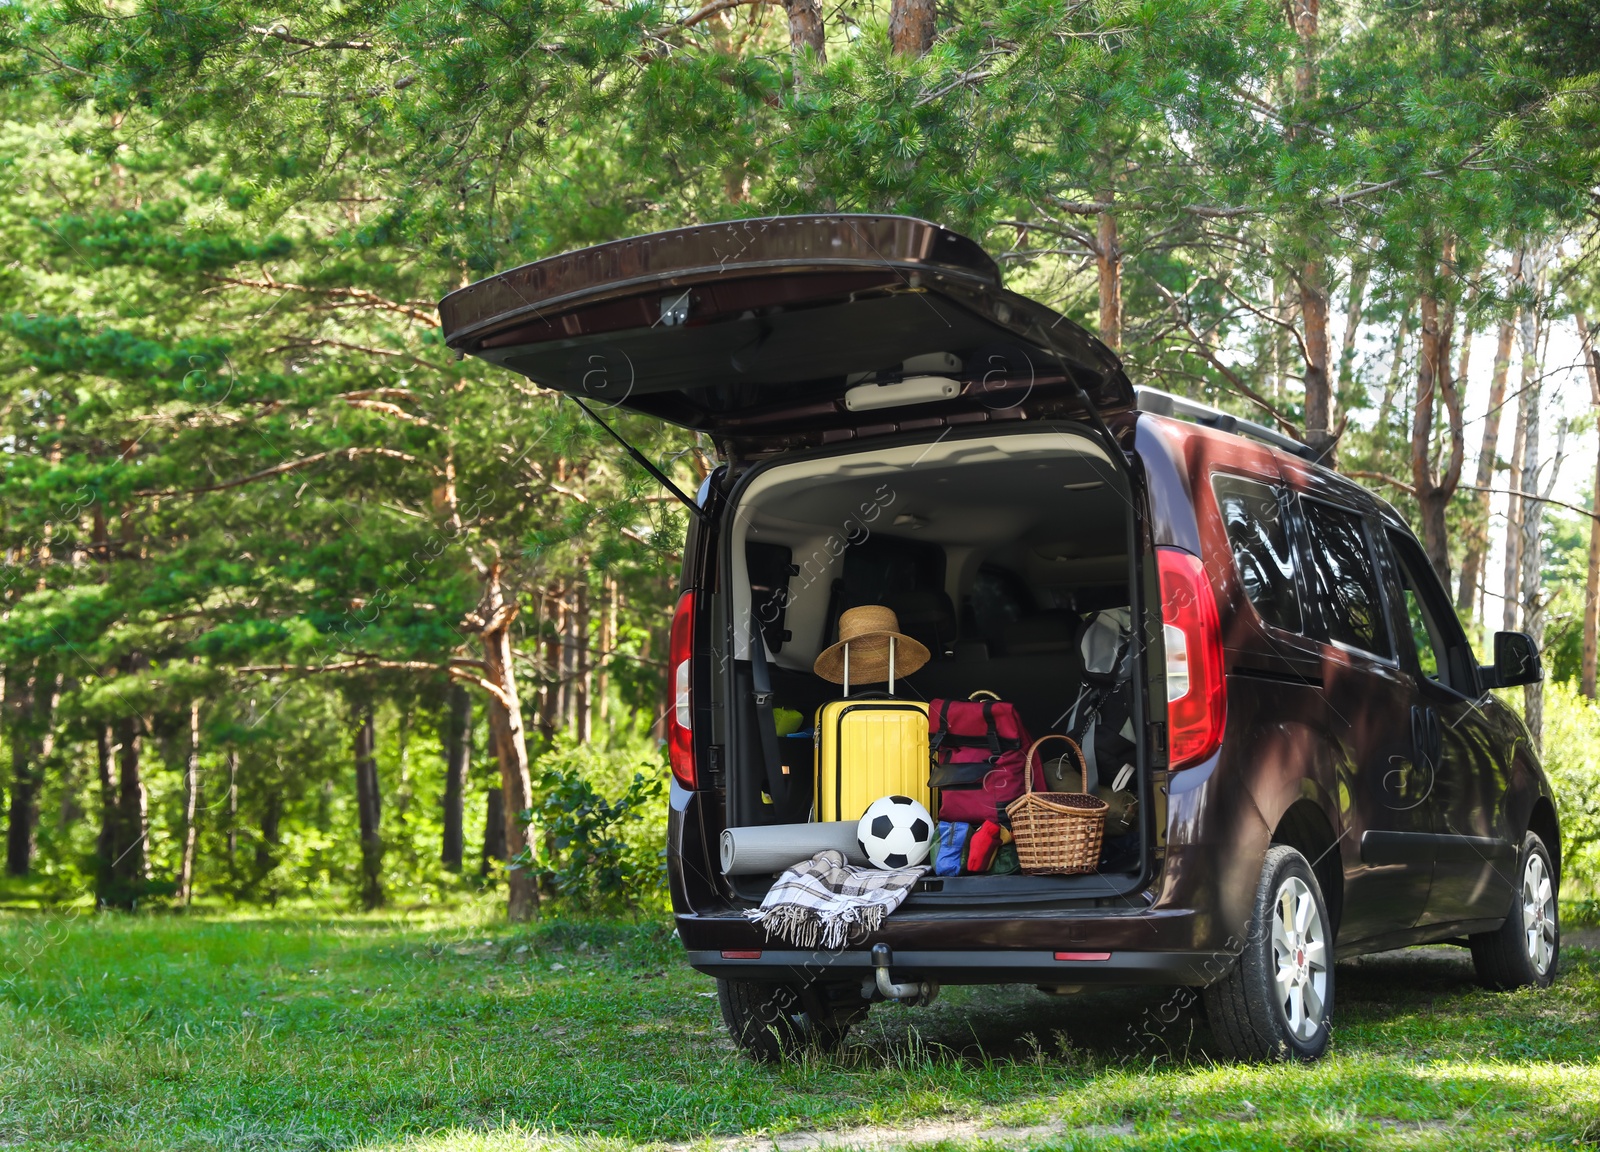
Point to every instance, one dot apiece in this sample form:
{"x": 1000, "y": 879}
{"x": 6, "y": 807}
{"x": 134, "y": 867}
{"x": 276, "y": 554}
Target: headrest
{"x": 1050, "y": 631}
{"x": 1103, "y": 641}
{"x": 928, "y": 615}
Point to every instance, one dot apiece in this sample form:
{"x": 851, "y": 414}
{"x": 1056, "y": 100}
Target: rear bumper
{"x": 1080, "y": 966}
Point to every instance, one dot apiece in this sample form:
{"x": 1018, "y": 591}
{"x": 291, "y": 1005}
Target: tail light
{"x": 1197, "y": 700}
{"x": 680, "y": 717}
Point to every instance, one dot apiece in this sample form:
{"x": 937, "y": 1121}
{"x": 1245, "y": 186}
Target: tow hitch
{"x": 919, "y": 992}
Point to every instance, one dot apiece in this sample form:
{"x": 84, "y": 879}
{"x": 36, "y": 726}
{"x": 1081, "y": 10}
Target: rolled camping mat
{"x": 763, "y": 850}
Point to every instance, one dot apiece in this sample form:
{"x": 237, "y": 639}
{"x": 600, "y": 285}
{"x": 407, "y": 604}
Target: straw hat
{"x": 867, "y": 630}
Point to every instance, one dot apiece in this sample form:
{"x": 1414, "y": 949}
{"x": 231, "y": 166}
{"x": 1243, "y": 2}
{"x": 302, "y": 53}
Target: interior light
{"x": 912, "y": 390}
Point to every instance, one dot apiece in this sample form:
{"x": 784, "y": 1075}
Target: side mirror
{"x": 1516, "y": 661}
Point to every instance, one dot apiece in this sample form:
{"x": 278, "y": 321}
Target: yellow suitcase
{"x": 867, "y": 748}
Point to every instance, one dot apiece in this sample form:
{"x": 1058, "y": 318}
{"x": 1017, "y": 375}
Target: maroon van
{"x": 1320, "y": 767}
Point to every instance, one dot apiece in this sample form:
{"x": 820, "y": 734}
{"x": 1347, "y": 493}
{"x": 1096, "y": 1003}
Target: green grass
{"x": 449, "y": 1031}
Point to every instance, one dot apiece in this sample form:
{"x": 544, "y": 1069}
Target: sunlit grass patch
{"x": 440, "y": 1030}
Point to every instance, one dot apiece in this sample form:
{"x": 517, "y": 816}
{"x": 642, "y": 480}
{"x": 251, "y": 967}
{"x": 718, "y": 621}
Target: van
{"x": 1320, "y": 767}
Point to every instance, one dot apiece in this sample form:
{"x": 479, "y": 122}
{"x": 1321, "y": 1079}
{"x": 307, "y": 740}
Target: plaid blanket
{"x": 826, "y": 902}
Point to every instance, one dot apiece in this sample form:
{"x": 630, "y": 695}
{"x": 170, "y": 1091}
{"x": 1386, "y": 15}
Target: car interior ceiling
{"x": 990, "y": 551}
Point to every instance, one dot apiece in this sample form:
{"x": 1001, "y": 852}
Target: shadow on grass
{"x": 1426, "y": 998}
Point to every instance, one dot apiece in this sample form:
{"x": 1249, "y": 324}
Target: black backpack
{"x": 1101, "y": 718}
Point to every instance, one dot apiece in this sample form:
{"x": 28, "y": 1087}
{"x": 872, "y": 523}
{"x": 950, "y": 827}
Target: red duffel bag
{"x": 978, "y": 749}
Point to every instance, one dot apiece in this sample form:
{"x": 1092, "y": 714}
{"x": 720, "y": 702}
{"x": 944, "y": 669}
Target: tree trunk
{"x": 1319, "y": 396}
{"x": 105, "y": 844}
{"x": 69, "y": 811}
{"x": 1477, "y": 534}
{"x": 458, "y": 761}
{"x": 271, "y": 815}
{"x": 805, "y": 28}
{"x": 133, "y": 811}
{"x": 1532, "y": 520}
{"x": 582, "y": 665}
{"x": 1303, "y": 16}
{"x": 911, "y": 26}
{"x": 24, "y": 807}
{"x": 1396, "y": 362}
{"x": 321, "y": 859}
{"x": 1108, "y": 264}
{"x": 33, "y": 742}
{"x": 1433, "y": 492}
{"x": 1591, "y": 588}
{"x": 191, "y": 801}
{"x": 1510, "y": 616}
{"x": 370, "y": 810}
{"x": 564, "y": 660}
{"x": 608, "y": 643}
{"x": 666, "y": 698}
{"x": 1352, "y": 324}
{"x": 510, "y": 741}
{"x": 570, "y": 645}
{"x": 546, "y": 646}
{"x": 494, "y": 828}
{"x": 1278, "y": 305}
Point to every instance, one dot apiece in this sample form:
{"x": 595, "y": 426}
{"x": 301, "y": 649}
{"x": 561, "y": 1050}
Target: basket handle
{"x": 985, "y": 692}
{"x": 1027, "y": 764}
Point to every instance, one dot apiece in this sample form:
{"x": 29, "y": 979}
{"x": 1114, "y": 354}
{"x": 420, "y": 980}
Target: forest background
{"x": 295, "y": 606}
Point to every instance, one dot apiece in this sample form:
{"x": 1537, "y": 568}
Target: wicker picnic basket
{"x": 1057, "y": 833}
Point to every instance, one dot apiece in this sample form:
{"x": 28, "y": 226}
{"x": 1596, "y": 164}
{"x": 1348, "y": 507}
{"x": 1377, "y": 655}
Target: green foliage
{"x": 1570, "y": 724}
{"x": 239, "y": 465}
{"x": 1566, "y": 571}
{"x": 601, "y": 852}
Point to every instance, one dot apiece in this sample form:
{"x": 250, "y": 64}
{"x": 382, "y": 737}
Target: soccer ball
{"x": 895, "y": 832}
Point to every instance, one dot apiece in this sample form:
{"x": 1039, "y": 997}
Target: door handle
{"x": 1427, "y": 740}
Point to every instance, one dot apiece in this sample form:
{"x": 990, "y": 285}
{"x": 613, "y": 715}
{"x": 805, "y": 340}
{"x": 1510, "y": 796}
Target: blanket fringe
{"x": 809, "y": 928}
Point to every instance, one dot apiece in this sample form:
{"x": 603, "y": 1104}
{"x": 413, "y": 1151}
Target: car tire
{"x": 775, "y": 1022}
{"x": 1522, "y": 952}
{"x": 1277, "y": 1001}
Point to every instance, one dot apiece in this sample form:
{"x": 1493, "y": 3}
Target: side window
{"x": 1253, "y": 514}
{"x": 1343, "y": 579}
{"x": 1432, "y": 636}
{"x": 1424, "y": 636}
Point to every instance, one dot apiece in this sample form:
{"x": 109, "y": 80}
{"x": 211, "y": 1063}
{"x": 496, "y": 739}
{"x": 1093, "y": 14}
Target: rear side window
{"x": 1253, "y": 514}
{"x": 1343, "y": 578}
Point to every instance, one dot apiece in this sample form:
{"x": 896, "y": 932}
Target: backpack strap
{"x": 941, "y": 729}
{"x": 993, "y": 729}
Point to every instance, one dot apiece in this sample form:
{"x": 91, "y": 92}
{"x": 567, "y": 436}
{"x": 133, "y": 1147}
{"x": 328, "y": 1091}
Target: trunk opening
{"x": 993, "y": 549}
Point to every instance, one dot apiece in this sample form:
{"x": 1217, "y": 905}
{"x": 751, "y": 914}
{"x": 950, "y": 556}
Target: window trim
{"x": 1286, "y": 501}
{"x": 1428, "y": 595}
{"x": 1390, "y": 659}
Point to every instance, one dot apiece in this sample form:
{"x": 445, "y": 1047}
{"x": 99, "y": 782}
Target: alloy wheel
{"x": 1538, "y": 913}
{"x": 1300, "y": 955}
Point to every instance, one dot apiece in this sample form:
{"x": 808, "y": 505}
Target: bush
{"x": 599, "y": 833}
{"x": 1571, "y": 725}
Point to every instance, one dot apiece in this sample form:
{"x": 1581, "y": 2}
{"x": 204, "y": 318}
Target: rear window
{"x": 1254, "y": 515}
{"x": 1343, "y": 578}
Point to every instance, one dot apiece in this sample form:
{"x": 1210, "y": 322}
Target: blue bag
{"x": 952, "y": 851}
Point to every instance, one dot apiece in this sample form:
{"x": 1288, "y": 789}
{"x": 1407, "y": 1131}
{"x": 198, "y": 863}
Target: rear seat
{"x": 1035, "y": 663}
{"x": 1039, "y": 672}
{"x": 1055, "y": 630}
